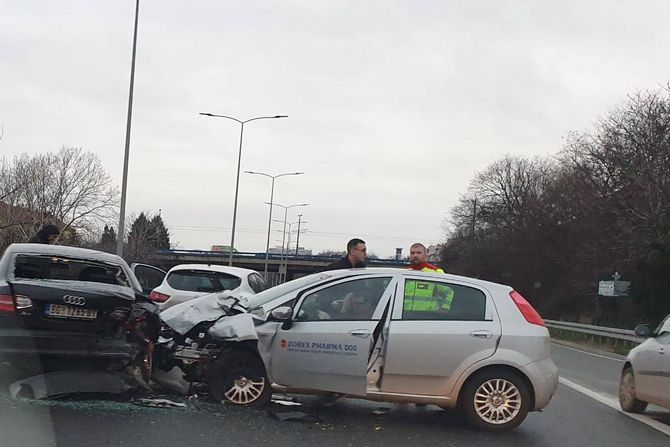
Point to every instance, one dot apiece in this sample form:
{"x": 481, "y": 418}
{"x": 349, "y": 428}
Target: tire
{"x": 239, "y": 378}
{"x": 627, "y": 399}
{"x": 495, "y": 400}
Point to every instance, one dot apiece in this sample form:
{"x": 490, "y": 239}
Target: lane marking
{"x": 589, "y": 353}
{"x": 613, "y": 402}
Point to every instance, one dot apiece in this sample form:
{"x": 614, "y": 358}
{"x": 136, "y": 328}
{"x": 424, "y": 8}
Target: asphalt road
{"x": 572, "y": 419}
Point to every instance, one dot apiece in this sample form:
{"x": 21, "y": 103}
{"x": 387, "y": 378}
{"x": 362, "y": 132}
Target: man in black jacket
{"x": 356, "y": 254}
{"x": 47, "y": 235}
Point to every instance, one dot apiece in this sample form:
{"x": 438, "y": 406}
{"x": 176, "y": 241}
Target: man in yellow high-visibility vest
{"x": 425, "y": 295}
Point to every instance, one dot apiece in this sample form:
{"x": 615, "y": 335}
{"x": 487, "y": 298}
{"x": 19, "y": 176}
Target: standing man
{"x": 355, "y": 258}
{"x": 418, "y": 257}
{"x": 425, "y": 296}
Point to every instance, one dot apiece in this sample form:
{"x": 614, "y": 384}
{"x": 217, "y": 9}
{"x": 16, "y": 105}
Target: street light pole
{"x": 239, "y": 164}
{"x": 124, "y": 182}
{"x": 272, "y": 192}
{"x": 286, "y": 208}
{"x": 297, "y": 237}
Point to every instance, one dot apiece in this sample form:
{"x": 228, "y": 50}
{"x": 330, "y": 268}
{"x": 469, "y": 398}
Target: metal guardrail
{"x": 596, "y": 331}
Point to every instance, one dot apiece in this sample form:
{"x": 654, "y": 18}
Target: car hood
{"x": 211, "y": 307}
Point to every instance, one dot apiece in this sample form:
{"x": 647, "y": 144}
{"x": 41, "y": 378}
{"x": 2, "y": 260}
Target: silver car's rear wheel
{"x": 496, "y": 399}
{"x": 627, "y": 394}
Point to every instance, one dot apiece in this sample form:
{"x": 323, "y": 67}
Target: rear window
{"x": 68, "y": 269}
{"x": 202, "y": 281}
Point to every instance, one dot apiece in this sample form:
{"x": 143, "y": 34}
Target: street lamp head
{"x": 280, "y": 116}
{"x": 206, "y": 114}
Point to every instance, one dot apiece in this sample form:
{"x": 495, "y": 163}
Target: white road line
{"x": 613, "y": 402}
{"x": 589, "y": 353}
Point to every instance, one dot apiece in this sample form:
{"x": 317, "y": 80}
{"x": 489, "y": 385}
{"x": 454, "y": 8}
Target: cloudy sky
{"x": 393, "y": 105}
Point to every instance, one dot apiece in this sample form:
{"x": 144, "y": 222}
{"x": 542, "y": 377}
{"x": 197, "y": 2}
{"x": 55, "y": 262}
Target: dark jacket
{"x": 343, "y": 264}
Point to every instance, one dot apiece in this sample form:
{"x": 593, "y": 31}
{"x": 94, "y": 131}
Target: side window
{"x": 256, "y": 282}
{"x": 433, "y": 300}
{"x": 663, "y": 331}
{"x": 149, "y": 277}
{"x": 353, "y": 300}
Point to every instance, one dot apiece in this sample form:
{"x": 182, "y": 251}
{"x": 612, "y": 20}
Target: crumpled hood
{"x": 185, "y": 316}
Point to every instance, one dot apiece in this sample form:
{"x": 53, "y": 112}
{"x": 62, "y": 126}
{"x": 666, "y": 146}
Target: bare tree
{"x": 69, "y": 188}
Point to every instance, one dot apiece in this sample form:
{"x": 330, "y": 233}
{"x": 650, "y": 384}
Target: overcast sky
{"x": 394, "y": 105}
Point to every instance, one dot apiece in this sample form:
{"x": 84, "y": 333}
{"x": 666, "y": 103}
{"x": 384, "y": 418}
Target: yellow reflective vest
{"x": 427, "y": 296}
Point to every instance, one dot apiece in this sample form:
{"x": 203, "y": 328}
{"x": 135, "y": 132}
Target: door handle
{"x": 364, "y": 333}
{"x": 482, "y": 334}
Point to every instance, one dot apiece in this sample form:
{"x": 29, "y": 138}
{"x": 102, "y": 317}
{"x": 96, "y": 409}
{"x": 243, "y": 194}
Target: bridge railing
{"x": 275, "y": 256}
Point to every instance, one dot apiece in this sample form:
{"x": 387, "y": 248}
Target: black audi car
{"x": 65, "y": 307}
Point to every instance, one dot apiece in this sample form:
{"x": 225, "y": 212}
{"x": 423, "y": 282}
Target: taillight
{"x": 7, "y": 303}
{"x": 158, "y": 297}
{"x": 528, "y": 312}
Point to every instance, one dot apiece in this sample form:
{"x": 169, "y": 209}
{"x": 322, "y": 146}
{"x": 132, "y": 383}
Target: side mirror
{"x": 283, "y": 313}
{"x": 643, "y": 330}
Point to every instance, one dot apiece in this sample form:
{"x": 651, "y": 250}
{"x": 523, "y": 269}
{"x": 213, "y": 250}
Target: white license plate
{"x": 63, "y": 311}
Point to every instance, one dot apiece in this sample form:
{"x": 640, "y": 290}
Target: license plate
{"x": 63, "y": 311}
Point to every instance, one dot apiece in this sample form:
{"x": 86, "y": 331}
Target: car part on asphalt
{"x": 60, "y": 383}
{"x": 158, "y": 403}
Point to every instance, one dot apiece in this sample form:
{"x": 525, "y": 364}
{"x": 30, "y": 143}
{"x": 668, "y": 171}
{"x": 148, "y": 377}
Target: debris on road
{"x": 158, "y": 403}
{"x": 282, "y": 399}
{"x": 295, "y": 416}
{"x": 381, "y": 411}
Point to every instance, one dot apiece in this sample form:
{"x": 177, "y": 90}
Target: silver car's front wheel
{"x": 239, "y": 378}
{"x": 496, "y": 400}
{"x": 627, "y": 394}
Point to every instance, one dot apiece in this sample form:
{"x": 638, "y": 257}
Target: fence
{"x": 618, "y": 338}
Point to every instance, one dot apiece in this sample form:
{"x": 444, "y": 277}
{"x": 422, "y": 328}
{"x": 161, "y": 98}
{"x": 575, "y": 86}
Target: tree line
{"x": 551, "y": 226}
{"x": 71, "y": 190}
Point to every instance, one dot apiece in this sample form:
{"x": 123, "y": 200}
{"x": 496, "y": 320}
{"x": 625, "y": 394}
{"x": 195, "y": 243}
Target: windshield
{"x": 275, "y": 292}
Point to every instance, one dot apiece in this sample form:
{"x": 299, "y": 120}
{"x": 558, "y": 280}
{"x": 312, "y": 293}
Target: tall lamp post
{"x": 239, "y": 163}
{"x": 286, "y": 208}
{"x": 124, "y": 181}
{"x": 272, "y": 192}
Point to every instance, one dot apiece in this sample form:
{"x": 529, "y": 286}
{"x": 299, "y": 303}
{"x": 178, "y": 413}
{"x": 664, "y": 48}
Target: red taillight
{"x": 7, "y": 303}
{"x": 158, "y": 297}
{"x": 528, "y": 312}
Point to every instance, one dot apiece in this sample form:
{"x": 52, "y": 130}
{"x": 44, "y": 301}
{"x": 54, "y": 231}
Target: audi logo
{"x": 74, "y": 300}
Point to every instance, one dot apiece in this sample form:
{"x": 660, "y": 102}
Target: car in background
{"x": 381, "y": 334}
{"x": 65, "y": 307}
{"x": 645, "y": 378}
{"x": 187, "y": 281}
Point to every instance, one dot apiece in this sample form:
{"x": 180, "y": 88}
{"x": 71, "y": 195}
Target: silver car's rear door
{"x": 438, "y": 329}
{"x": 329, "y": 342}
